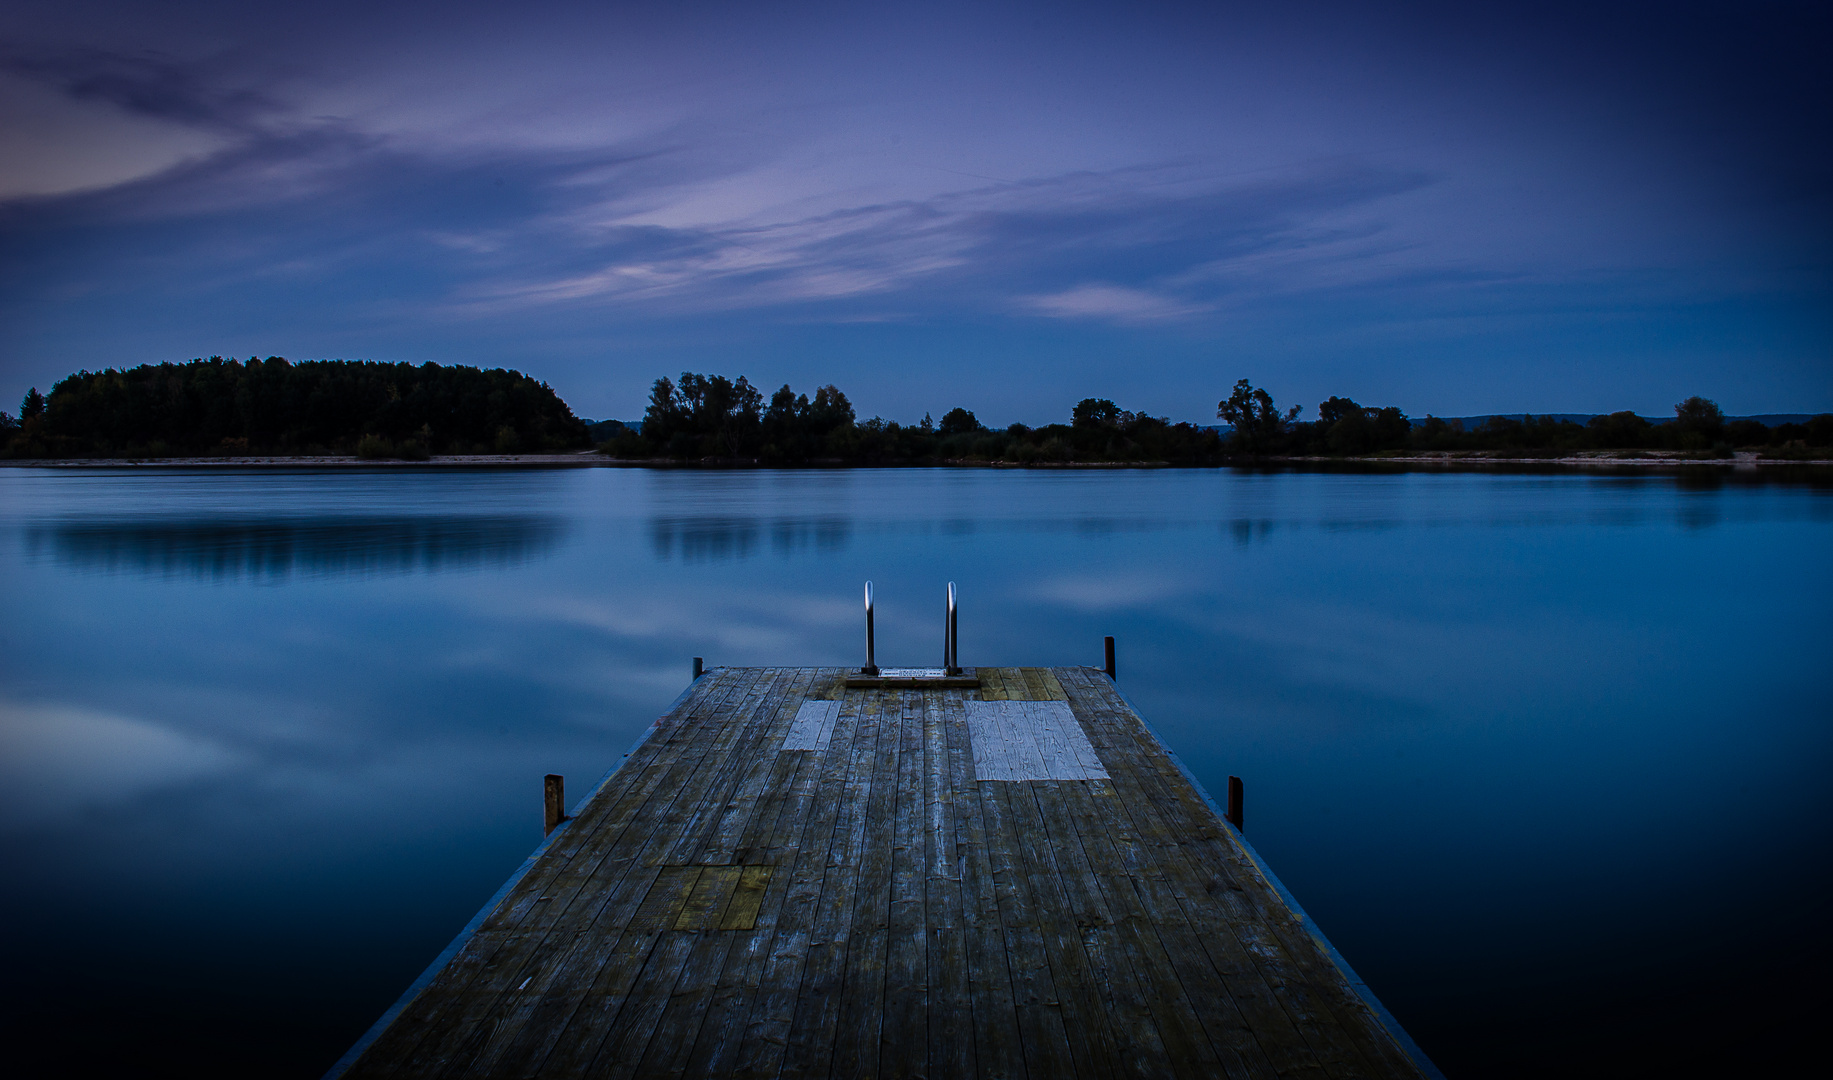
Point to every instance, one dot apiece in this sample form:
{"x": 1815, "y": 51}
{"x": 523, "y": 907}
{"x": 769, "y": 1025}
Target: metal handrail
{"x": 871, "y": 667}
{"x": 951, "y": 658}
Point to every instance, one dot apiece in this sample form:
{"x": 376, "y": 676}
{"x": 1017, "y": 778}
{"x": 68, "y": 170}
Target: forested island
{"x": 315, "y": 407}
{"x": 228, "y": 408}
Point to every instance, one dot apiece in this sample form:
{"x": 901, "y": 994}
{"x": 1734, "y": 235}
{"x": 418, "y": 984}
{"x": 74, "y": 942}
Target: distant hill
{"x": 1766, "y": 419}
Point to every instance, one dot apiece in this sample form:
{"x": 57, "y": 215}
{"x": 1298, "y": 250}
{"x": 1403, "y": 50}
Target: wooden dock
{"x": 790, "y": 877}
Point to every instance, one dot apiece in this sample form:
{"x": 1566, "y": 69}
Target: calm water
{"x": 1545, "y": 755}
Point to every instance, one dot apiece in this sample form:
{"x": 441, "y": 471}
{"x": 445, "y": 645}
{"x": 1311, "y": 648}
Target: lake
{"x": 1544, "y": 753}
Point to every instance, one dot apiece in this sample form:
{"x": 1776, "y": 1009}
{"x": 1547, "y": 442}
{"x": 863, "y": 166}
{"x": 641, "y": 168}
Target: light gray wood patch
{"x": 813, "y": 726}
{"x": 1030, "y": 740}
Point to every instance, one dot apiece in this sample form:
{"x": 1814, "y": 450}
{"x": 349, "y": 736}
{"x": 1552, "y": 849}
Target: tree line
{"x": 1345, "y": 428}
{"x": 711, "y": 416}
{"x": 226, "y": 407}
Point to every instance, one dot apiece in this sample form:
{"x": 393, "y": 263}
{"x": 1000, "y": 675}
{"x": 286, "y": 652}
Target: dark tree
{"x": 1259, "y": 426}
{"x": 704, "y": 416}
{"x": 1618, "y": 430}
{"x": 33, "y": 404}
{"x": 1696, "y": 414}
{"x": 1336, "y": 409}
{"x": 1095, "y": 412}
{"x": 958, "y": 421}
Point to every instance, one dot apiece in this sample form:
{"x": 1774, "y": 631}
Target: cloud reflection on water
{"x": 57, "y": 760}
{"x": 275, "y": 549}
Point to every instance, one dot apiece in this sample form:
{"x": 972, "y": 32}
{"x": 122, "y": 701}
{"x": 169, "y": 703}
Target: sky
{"x": 1456, "y": 208}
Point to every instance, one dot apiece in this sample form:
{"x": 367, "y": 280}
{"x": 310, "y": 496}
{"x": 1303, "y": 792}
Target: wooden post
{"x": 1234, "y": 801}
{"x": 554, "y": 800}
{"x": 1110, "y": 657}
{"x": 699, "y": 667}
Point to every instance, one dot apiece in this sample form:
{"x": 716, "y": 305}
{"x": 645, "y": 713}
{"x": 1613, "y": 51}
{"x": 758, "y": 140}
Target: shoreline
{"x": 588, "y": 459}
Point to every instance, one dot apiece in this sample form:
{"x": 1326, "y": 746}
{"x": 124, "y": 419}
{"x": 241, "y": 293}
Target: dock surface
{"x": 789, "y": 877}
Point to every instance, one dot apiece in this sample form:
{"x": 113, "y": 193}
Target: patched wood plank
{"x": 792, "y": 878}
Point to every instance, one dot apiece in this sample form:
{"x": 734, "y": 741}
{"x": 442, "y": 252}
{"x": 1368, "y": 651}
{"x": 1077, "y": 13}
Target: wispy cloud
{"x": 1029, "y": 247}
{"x": 512, "y": 189}
{"x": 1116, "y": 302}
{"x": 146, "y": 84}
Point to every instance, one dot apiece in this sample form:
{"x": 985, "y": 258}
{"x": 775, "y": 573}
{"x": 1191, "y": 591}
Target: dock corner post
{"x": 951, "y": 659}
{"x": 699, "y": 667}
{"x": 554, "y": 801}
{"x": 1110, "y": 656}
{"x": 1234, "y": 801}
{"x": 871, "y": 667}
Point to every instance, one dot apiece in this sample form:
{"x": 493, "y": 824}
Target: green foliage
{"x": 219, "y": 406}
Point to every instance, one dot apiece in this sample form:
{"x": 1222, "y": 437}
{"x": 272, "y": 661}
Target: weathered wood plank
{"x": 810, "y": 1041}
{"x": 903, "y": 1045}
{"x": 1042, "y": 1037}
{"x": 1257, "y": 963}
{"x": 577, "y": 1034}
{"x": 1085, "y": 1019}
{"x": 801, "y": 846}
{"x": 804, "y": 844}
{"x": 1034, "y": 890}
{"x": 860, "y": 1022}
{"x": 950, "y": 1027}
{"x": 425, "y": 1039}
{"x": 1138, "y": 1045}
{"x": 998, "y": 1046}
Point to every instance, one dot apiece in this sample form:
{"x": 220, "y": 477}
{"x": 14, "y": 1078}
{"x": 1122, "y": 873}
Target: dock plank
{"x": 791, "y": 877}
{"x": 998, "y": 1051}
{"x": 424, "y": 1040}
{"x": 949, "y": 1018}
{"x": 803, "y": 844}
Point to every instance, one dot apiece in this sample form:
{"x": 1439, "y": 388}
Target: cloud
{"x": 146, "y": 84}
{"x": 1108, "y": 592}
{"x": 1116, "y": 302}
{"x": 1029, "y": 246}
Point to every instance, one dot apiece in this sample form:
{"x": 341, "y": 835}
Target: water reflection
{"x": 240, "y": 818}
{"x": 724, "y": 539}
{"x": 275, "y": 549}
{"x": 1246, "y": 531}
